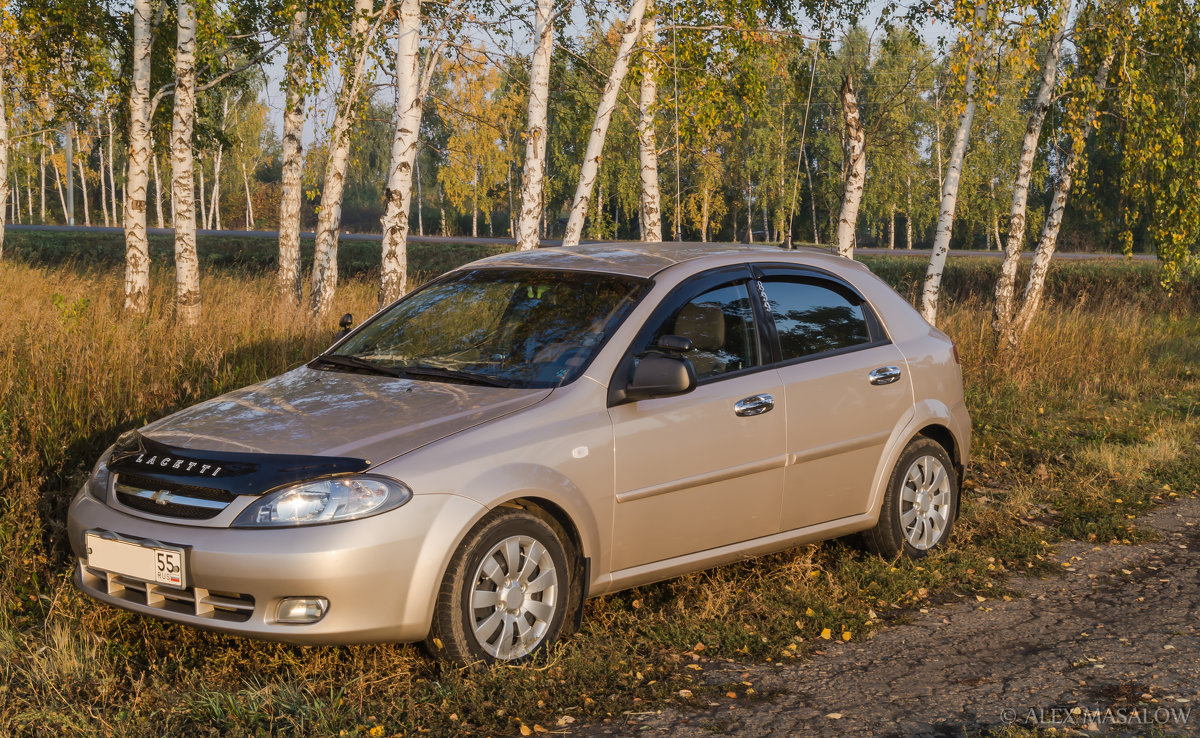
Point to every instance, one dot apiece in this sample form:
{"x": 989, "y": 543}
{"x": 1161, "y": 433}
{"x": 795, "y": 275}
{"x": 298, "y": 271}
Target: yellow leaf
{"x": 826, "y": 633}
{"x": 525, "y": 729}
{"x": 846, "y": 635}
{"x": 809, "y": 612}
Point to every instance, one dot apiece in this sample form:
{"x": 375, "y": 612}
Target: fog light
{"x": 302, "y": 609}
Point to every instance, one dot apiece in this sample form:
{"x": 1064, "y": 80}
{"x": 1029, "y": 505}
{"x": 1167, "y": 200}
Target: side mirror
{"x": 345, "y": 324}
{"x": 661, "y": 375}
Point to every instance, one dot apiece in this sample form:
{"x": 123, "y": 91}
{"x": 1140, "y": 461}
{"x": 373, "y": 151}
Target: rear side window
{"x": 812, "y": 317}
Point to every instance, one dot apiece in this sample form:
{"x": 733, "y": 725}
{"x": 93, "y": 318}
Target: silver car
{"x": 530, "y": 430}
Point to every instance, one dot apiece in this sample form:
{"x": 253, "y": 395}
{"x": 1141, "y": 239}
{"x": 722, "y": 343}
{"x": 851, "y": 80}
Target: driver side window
{"x": 720, "y": 325}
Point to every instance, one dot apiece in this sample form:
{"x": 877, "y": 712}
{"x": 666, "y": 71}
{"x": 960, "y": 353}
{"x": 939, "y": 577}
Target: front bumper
{"x": 380, "y": 574}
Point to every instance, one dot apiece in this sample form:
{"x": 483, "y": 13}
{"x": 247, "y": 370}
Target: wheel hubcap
{"x": 925, "y": 502}
{"x": 513, "y": 596}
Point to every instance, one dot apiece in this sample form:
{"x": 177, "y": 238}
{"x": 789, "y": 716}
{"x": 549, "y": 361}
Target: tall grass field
{"x": 1094, "y": 420}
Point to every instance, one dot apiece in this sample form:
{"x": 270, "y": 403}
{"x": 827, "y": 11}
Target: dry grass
{"x": 1099, "y": 406}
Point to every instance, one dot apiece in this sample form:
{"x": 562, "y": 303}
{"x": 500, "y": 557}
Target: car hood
{"x": 334, "y": 413}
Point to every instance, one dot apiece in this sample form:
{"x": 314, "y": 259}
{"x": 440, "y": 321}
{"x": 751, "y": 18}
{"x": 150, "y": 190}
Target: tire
{"x": 920, "y": 504}
{"x": 506, "y": 591}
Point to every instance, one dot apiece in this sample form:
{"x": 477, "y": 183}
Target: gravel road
{"x": 1110, "y": 644}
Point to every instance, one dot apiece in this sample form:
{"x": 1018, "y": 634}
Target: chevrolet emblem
{"x": 161, "y": 496}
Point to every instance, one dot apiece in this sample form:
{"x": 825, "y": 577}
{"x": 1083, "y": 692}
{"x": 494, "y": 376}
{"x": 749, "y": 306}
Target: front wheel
{"x": 920, "y": 504}
{"x": 505, "y": 593}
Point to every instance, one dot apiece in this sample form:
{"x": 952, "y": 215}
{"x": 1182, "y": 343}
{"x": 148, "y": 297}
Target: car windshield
{"x": 511, "y": 328}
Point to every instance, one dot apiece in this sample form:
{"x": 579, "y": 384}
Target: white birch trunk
{"x": 41, "y": 178}
{"x": 949, "y": 201}
{"x": 856, "y": 173}
{"x": 441, "y": 208}
{"x": 249, "y": 201}
{"x": 533, "y": 176}
{"x": 891, "y": 227}
{"x": 908, "y": 244}
{"x": 3, "y": 160}
{"x": 398, "y": 193}
{"x": 604, "y": 113}
{"x": 1048, "y": 240}
{"x": 114, "y": 201}
{"x": 288, "y": 277}
{"x": 1002, "y": 311}
{"x": 87, "y": 214}
{"x": 202, "y": 191}
{"x": 137, "y": 244}
{"x": 324, "y": 275}
{"x": 214, "y": 205}
{"x": 475, "y": 204}
{"x": 103, "y": 177}
{"x": 651, "y": 202}
{"x": 183, "y": 194}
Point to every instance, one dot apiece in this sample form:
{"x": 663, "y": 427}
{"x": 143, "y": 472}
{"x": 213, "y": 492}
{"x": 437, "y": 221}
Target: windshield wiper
{"x": 437, "y": 372}
{"x": 355, "y": 362}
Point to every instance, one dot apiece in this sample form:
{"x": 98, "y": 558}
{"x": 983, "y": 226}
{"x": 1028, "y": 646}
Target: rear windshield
{"x": 519, "y": 328}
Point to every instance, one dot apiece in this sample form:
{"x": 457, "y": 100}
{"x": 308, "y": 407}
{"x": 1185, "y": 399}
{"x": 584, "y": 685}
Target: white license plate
{"x": 149, "y": 563}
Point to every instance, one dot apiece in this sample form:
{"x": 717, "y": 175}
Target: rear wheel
{"x": 920, "y": 504}
{"x": 505, "y": 593}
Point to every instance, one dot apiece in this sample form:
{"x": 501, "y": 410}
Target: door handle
{"x": 753, "y": 405}
{"x": 884, "y": 375}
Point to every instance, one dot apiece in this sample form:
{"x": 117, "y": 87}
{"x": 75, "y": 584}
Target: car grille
{"x": 170, "y": 500}
{"x": 202, "y": 603}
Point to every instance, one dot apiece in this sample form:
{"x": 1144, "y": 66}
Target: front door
{"x": 703, "y": 469}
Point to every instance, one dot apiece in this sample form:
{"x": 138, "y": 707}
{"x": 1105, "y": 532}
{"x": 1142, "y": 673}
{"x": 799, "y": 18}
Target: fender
{"x": 922, "y": 415}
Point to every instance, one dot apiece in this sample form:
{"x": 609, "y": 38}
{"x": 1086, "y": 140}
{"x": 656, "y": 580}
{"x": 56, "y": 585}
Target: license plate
{"x": 148, "y": 562}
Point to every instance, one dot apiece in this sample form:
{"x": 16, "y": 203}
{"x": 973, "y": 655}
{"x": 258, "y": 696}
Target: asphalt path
{"x": 270, "y": 235}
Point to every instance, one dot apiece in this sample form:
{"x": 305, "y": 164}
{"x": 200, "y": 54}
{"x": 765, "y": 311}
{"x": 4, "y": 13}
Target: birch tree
{"x": 974, "y": 49}
{"x": 651, "y": 208}
{"x": 292, "y": 154}
{"x": 412, "y": 85}
{"x": 608, "y": 104}
{"x": 856, "y": 170}
{"x": 137, "y": 245}
{"x": 324, "y": 274}
{"x": 1086, "y": 107}
{"x": 533, "y": 176}
{"x": 1002, "y": 311}
{"x": 187, "y": 266}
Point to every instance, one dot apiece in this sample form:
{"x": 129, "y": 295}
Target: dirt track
{"x": 1112, "y": 644}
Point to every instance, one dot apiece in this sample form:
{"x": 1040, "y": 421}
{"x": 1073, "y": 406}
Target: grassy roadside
{"x": 244, "y": 253}
{"x": 1092, "y": 423}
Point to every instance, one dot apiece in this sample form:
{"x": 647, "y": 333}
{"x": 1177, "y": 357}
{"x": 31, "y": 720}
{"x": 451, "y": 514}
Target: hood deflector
{"x": 233, "y": 472}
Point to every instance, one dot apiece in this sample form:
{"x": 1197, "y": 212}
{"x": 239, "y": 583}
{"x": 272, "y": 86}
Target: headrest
{"x": 704, "y": 324}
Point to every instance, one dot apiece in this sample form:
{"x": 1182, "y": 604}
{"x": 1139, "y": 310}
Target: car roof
{"x": 637, "y": 259}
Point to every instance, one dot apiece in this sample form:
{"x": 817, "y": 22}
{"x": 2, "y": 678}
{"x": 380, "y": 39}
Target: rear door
{"x": 846, "y": 389}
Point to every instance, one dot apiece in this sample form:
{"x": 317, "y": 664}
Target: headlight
{"x": 97, "y": 483}
{"x": 324, "y": 501}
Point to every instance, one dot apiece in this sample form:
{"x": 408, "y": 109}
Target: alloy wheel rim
{"x": 925, "y": 503}
{"x": 513, "y": 597}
